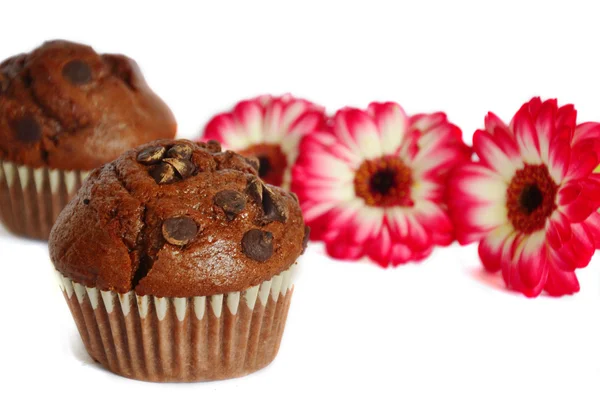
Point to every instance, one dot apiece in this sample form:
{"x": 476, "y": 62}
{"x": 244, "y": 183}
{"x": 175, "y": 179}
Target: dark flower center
{"x": 531, "y": 198}
{"x": 384, "y": 182}
{"x": 273, "y": 162}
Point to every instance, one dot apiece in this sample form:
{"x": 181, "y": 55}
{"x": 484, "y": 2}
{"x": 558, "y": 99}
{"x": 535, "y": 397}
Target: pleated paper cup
{"x": 32, "y": 198}
{"x": 178, "y": 339}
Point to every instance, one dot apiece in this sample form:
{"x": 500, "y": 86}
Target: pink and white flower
{"x": 268, "y": 128}
{"x": 373, "y": 183}
{"x": 531, "y": 199}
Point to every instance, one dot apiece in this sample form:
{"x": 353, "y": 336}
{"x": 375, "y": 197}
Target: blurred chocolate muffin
{"x": 182, "y": 248}
{"x": 64, "y": 110}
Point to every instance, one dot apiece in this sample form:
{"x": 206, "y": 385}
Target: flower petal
{"x": 344, "y": 251}
{"x": 266, "y": 119}
{"x": 476, "y": 201}
{"x": 273, "y": 129}
{"x": 494, "y": 125}
{"x": 436, "y": 221}
{"x": 404, "y": 228}
{"x": 380, "y": 249}
{"x": 425, "y": 122}
{"x": 592, "y": 227}
{"x": 574, "y": 202}
{"x": 248, "y": 115}
{"x": 566, "y": 117}
{"x": 558, "y": 229}
{"x": 428, "y": 190}
{"x": 392, "y": 124}
{"x": 356, "y": 128}
{"x": 582, "y": 164}
{"x": 342, "y": 219}
{"x": 531, "y": 258}
{"x": 367, "y": 224}
{"x": 323, "y": 183}
{"x": 561, "y": 282}
{"x": 309, "y": 121}
{"x": 585, "y": 131}
{"x": 301, "y": 116}
{"x": 418, "y": 238}
{"x": 342, "y": 235}
{"x": 490, "y": 247}
{"x": 528, "y": 270}
{"x": 316, "y": 160}
{"x": 397, "y": 221}
{"x": 533, "y": 106}
{"x": 494, "y": 157}
{"x": 559, "y": 158}
{"x": 545, "y": 127}
{"x": 438, "y": 151}
{"x": 401, "y": 254}
{"x": 223, "y": 129}
{"x": 577, "y": 251}
{"x": 527, "y": 138}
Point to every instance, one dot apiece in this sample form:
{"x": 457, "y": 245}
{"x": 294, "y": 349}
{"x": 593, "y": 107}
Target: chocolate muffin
{"x": 175, "y": 260}
{"x": 64, "y": 110}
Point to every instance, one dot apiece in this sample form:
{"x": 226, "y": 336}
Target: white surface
{"x": 438, "y": 330}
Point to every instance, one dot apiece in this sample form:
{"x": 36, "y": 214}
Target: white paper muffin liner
{"x": 175, "y": 339}
{"x": 32, "y": 198}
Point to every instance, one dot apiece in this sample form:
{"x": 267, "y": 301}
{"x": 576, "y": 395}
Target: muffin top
{"x": 65, "y": 106}
{"x": 174, "y": 218}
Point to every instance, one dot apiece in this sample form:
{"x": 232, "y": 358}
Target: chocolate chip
{"x": 183, "y": 167}
{"x": 180, "y": 151}
{"x": 151, "y": 155}
{"x": 306, "y": 238}
{"x": 295, "y": 196}
{"x": 255, "y": 190}
{"x": 77, "y": 72}
{"x": 27, "y": 129}
{"x": 254, "y": 163}
{"x": 272, "y": 204}
{"x": 264, "y": 166}
{"x": 164, "y": 173}
{"x": 179, "y": 230}
{"x": 213, "y": 146}
{"x": 274, "y": 207}
{"x": 258, "y": 245}
{"x": 231, "y": 201}
{"x": 86, "y": 201}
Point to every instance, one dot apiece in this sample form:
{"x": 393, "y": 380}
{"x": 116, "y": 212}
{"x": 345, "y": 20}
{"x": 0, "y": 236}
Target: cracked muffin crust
{"x": 177, "y": 219}
{"x": 64, "y": 106}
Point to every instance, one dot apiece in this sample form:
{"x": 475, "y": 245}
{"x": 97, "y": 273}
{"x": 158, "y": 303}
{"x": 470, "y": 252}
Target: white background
{"x": 438, "y": 330}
